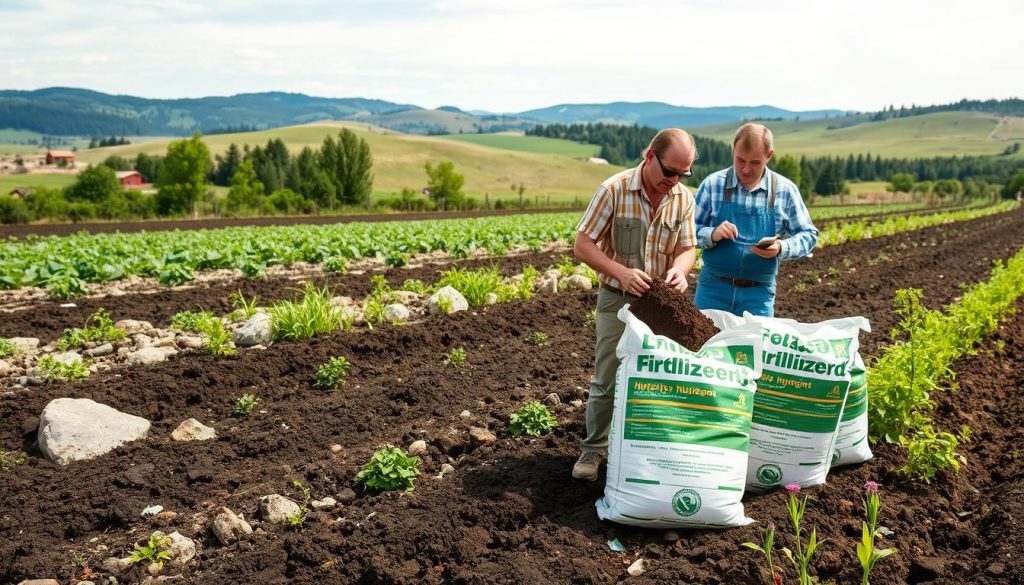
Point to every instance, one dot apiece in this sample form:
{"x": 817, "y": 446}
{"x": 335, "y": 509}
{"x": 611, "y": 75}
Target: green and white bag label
{"x": 800, "y": 399}
{"x": 852, "y": 435}
{"x": 677, "y": 452}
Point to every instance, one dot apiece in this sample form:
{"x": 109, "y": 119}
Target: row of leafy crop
{"x": 851, "y": 211}
{"x": 64, "y": 265}
{"x": 923, "y": 361}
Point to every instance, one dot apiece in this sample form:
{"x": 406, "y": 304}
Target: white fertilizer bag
{"x": 852, "y": 435}
{"x": 677, "y": 453}
{"x": 800, "y": 399}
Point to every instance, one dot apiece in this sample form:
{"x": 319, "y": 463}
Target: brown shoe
{"x": 587, "y": 465}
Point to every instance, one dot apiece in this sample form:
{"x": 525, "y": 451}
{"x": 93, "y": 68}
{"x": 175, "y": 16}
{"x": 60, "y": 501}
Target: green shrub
{"x": 218, "y": 340}
{"x": 332, "y": 374}
{"x": 7, "y": 348}
{"x": 474, "y": 285}
{"x": 532, "y": 419}
{"x": 336, "y": 264}
{"x": 302, "y": 319}
{"x": 191, "y": 321}
{"x": 414, "y": 285}
{"x": 58, "y": 370}
{"x": 99, "y": 327}
{"x": 390, "y": 468}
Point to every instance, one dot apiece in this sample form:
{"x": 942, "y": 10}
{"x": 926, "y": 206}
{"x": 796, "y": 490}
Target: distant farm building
{"x": 56, "y": 157}
{"x": 22, "y": 192}
{"x": 130, "y": 178}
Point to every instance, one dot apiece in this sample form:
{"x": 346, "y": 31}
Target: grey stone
{"x": 456, "y": 302}
{"x": 346, "y": 496}
{"x": 327, "y": 503}
{"x": 397, "y": 313}
{"x": 418, "y": 448}
{"x": 5, "y": 368}
{"x": 637, "y": 568}
{"x": 40, "y": 582}
{"x": 24, "y": 344}
{"x": 190, "y": 342}
{"x": 147, "y": 355}
{"x": 547, "y": 286}
{"x": 228, "y": 526}
{"x": 446, "y": 468}
{"x": 578, "y": 282}
{"x": 67, "y": 357}
{"x": 100, "y": 350}
{"x": 71, "y": 429}
{"x": 182, "y": 548}
{"x": 552, "y": 399}
{"x": 258, "y": 330}
{"x": 492, "y": 299}
{"x": 406, "y": 297}
{"x": 480, "y": 436}
{"x": 131, "y": 326}
{"x": 553, "y": 273}
{"x": 276, "y": 509}
{"x": 193, "y": 430}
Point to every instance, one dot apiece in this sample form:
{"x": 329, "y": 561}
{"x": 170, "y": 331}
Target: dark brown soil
{"x": 671, "y": 313}
{"x": 509, "y": 513}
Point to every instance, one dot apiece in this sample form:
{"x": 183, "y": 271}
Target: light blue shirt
{"x": 791, "y": 215}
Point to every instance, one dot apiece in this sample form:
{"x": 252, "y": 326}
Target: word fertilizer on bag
{"x": 800, "y": 399}
{"x": 677, "y": 453}
{"x": 852, "y": 435}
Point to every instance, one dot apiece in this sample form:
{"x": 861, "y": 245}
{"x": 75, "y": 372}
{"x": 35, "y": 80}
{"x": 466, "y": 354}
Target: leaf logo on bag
{"x": 769, "y": 473}
{"x": 686, "y": 502}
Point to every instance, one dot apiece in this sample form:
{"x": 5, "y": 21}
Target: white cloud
{"x": 800, "y": 54}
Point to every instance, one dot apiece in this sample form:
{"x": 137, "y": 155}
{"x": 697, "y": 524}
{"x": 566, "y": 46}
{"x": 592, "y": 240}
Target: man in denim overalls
{"x": 735, "y": 209}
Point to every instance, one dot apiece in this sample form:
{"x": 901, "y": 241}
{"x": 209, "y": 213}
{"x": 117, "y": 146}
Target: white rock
{"x": 396, "y": 313}
{"x": 182, "y": 549}
{"x": 164, "y": 342}
{"x": 328, "y": 503}
{"x": 228, "y": 526}
{"x": 465, "y": 414}
{"x": 40, "y": 582}
{"x": 343, "y": 301}
{"x": 71, "y": 429}
{"x": 456, "y": 301}
{"x": 418, "y": 448}
{"x": 276, "y": 509}
{"x": 190, "y": 342}
{"x": 147, "y": 355}
{"x": 193, "y": 430}
{"x": 547, "y": 286}
{"x": 67, "y": 357}
{"x": 24, "y": 344}
{"x": 142, "y": 341}
{"x": 578, "y": 282}
{"x": 481, "y": 436}
{"x": 152, "y": 510}
{"x": 492, "y": 299}
{"x": 5, "y": 368}
{"x": 637, "y": 568}
{"x": 553, "y": 273}
{"x": 131, "y": 326}
{"x": 446, "y": 468}
{"x": 336, "y": 448}
{"x": 258, "y": 330}
{"x": 100, "y": 350}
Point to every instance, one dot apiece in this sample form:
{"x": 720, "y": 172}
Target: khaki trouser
{"x": 602, "y": 385}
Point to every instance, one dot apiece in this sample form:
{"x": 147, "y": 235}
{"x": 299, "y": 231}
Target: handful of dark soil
{"x": 671, "y": 313}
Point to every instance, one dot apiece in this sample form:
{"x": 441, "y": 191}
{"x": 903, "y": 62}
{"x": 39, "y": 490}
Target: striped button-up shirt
{"x": 791, "y": 215}
{"x": 621, "y": 221}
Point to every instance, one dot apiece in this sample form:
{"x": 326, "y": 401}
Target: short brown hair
{"x": 752, "y": 135}
{"x": 664, "y": 138}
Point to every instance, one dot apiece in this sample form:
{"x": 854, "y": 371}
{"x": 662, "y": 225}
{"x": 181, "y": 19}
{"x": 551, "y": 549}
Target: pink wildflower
{"x": 793, "y": 488}
{"x": 871, "y": 487}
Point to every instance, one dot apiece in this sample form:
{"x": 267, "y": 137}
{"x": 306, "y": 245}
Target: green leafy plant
{"x": 374, "y": 312}
{"x": 190, "y": 321}
{"x": 533, "y": 418}
{"x": 866, "y": 551}
{"x": 414, "y": 285}
{"x": 313, "y": 314}
{"x": 244, "y": 308}
{"x": 331, "y": 374}
{"x": 176, "y": 273}
{"x": 99, "y": 327}
{"x": 390, "y": 468}
{"x": 7, "y": 349}
{"x": 336, "y": 264}
{"x": 58, "y": 370}
{"x": 475, "y": 285}
{"x": 297, "y": 519}
{"x": 929, "y": 452}
{"x": 9, "y": 459}
{"x": 538, "y": 338}
{"x": 456, "y": 357}
{"x": 592, "y": 317}
{"x": 156, "y": 550}
{"x": 245, "y": 404}
{"x": 526, "y": 284}
{"x": 767, "y": 534}
{"x": 801, "y": 559}
{"x": 218, "y": 340}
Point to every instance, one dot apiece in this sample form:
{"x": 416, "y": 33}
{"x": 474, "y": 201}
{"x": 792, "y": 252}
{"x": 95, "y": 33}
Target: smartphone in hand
{"x": 766, "y": 242}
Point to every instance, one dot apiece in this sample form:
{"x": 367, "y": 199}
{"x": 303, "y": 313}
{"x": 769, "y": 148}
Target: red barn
{"x": 129, "y": 178}
{"x": 56, "y": 157}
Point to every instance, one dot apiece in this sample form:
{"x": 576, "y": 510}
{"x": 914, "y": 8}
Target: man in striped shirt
{"x": 638, "y": 225}
{"x": 742, "y": 212}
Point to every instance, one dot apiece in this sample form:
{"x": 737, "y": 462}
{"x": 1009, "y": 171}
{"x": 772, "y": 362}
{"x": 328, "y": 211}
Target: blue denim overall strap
{"x": 733, "y": 258}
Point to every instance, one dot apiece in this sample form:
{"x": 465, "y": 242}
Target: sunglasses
{"x": 670, "y": 173}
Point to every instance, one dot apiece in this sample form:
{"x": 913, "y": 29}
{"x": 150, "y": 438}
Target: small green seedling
{"x": 156, "y": 550}
{"x": 9, "y": 459}
{"x": 191, "y": 321}
{"x": 58, "y": 370}
{"x": 243, "y": 307}
{"x": 7, "y": 348}
{"x": 456, "y": 357}
{"x": 297, "y": 519}
{"x": 533, "y": 418}
{"x": 245, "y": 404}
{"x": 332, "y": 374}
{"x": 390, "y": 468}
{"x": 218, "y": 340}
{"x": 98, "y": 327}
{"x": 538, "y": 338}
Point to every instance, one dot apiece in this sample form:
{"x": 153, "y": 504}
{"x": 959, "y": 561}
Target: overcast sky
{"x": 515, "y": 55}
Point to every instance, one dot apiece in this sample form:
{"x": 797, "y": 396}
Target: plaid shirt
{"x": 791, "y": 215}
{"x": 620, "y": 209}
